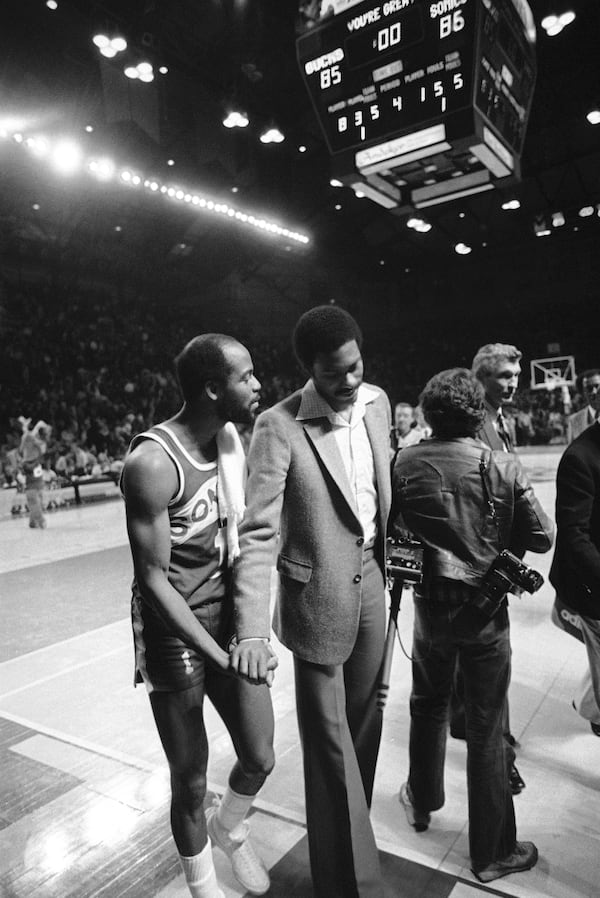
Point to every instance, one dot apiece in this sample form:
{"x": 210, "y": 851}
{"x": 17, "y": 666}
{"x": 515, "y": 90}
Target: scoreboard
{"x": 393, "y": 81}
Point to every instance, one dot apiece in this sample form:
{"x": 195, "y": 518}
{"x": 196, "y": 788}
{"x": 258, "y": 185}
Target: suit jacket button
{"x": 358, "y": 578}
{"x": 360, "y": 540}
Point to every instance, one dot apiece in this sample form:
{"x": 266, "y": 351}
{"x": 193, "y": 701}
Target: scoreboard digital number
{"x": 379, "y": 69}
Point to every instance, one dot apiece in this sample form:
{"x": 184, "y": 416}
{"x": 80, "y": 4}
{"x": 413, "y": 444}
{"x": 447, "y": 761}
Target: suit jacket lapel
{"x": 377, "y": 430}
{"x": 321, "y": 436}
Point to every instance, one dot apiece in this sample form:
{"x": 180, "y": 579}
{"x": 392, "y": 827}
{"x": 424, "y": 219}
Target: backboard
{"x": 550, "y": 373}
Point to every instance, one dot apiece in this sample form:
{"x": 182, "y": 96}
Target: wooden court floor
{"x": 83, "y": 784}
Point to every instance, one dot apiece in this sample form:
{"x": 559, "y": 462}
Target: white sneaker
{"x": 247, "y": 867}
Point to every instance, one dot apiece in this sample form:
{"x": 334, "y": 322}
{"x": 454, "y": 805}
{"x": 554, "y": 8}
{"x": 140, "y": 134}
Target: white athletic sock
{"x": 199, "y": 872}
{"x": 233, "y": 809}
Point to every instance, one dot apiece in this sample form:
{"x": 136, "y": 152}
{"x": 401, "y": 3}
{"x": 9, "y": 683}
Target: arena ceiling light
{"x": 272, "y": 135}
{"x": 143, "y": 71}
{"x": 586, "y": 211}
{"x": 554, "y": 24}
{"x": 236, "y": 119}
{"x": 419, "y": 224}
{"x": 511, "y": 204}
{"x": 66, "y": 157}
{"x": 593, "y": 116}
{"x": 103, "y": 169}
{"x": 463, "y": 249}
{"x": 109, "y": 46}
{"x": 558, "y": 219}
{"x": 39, "y": 146}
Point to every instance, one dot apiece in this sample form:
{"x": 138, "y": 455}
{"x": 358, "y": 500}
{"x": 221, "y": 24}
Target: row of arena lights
{"x": 67, "y": 158}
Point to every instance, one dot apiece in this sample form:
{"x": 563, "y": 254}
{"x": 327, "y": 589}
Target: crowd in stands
{"x": 99, "y": 370}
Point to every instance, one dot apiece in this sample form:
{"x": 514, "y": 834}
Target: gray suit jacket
{"x": 298, "y": 488}
{"x": 578, "y": 422}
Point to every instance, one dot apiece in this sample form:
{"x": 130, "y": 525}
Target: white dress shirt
{"x": 355, "y": 449}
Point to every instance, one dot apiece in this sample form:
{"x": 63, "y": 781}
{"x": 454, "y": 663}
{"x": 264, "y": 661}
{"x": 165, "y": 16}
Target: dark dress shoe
{"x": 517, "y": 783}
{"x": 595, "y": 728}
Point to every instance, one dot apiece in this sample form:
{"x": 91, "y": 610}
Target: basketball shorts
{"x": 163, "y": 662}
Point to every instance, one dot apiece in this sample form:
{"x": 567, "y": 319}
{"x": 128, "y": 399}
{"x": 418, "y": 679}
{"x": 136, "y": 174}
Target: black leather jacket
{"x": 438, "y": 495}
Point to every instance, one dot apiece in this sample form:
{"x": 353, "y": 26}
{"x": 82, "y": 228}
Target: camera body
{"x": 504, "y": 574}
{"x": 404, "y": 559}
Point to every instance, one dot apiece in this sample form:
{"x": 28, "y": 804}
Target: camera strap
{"x": 487, "y": 492}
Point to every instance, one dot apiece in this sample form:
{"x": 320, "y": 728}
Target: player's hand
{"x": 254, "y": 659}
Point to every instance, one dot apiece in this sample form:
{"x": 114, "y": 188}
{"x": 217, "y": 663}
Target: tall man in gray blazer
{"x": 319, "y": 477}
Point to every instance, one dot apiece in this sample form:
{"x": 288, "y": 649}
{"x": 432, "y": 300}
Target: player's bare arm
{"x": 149, "y": 483}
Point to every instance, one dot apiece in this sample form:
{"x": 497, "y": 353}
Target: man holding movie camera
{"x": 469, "y": 506}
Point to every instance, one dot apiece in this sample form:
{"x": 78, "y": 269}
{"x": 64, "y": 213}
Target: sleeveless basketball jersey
{"x": 198, "y": 542}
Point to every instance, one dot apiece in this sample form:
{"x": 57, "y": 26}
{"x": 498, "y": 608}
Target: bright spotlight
{"x": 511, "y": 204}
{"x": 101, "y": 40}
{"x": 144, "y": 68}
{"x": 593, "y": 116}
{"x": 131, "y": 72}
{"x": 66, "y": 157}
{"x": 108, "y": 51}
{"x": 119, "y": 44}
{"x": 146, "y": 77}
{"x": 52, "y": 4}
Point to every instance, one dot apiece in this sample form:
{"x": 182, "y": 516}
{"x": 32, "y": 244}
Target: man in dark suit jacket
{"x": 580, "y": 420}
{"x": 575, "y": 571}
{"x": 497, "y": 367}
{"x": 318, "y": 475}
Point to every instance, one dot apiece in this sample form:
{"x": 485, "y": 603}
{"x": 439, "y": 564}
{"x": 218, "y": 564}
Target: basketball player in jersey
{"x": 181, "y": 480}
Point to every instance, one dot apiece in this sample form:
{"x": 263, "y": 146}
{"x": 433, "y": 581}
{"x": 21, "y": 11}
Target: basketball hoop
{"x": 552, "y": 373}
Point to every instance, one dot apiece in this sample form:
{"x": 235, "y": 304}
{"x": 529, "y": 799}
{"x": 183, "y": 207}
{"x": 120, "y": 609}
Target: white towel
{"x": 231, "y": 469}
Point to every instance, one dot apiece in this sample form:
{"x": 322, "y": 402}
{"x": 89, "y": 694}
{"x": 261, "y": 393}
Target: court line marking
{"x": 64, "y": 642}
